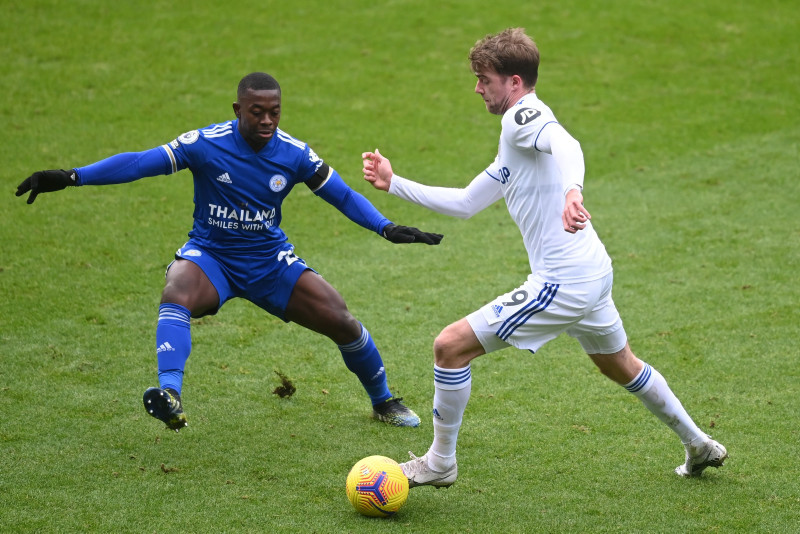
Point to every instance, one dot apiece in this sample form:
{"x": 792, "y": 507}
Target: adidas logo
{"x": 224, "y": 178}
{"x": 165, "y": 347}
{"x": 497, "y": 309}
{"x": 378, "y": 374}
{"x": 436, "y": 414}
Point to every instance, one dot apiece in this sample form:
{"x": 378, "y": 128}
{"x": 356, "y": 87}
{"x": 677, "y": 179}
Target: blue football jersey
{"x": 238, "y": 192}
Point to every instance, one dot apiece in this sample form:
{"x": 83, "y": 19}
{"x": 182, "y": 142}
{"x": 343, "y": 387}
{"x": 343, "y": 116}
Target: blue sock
{"x": 173, "y": 344}
{"x": 363, "y": 359}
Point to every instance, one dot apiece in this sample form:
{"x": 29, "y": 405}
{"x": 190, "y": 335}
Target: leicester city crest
{"x": 277, "y": 183}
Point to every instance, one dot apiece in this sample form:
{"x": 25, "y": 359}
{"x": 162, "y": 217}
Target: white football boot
{"x": 419, "y": 473}
{"x": 707, "y": 453}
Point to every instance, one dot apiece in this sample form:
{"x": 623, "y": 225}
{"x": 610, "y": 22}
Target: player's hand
{"x": 377, "y": 169}
{"x": 409, "y": 234}
{"x": 575, "y": 216}
{"x": 46, "y": 182}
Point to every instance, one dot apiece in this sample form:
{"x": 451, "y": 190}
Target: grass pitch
{"x": 687, "y": 115}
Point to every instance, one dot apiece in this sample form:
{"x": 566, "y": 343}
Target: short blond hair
{"x": 507, "y": 53}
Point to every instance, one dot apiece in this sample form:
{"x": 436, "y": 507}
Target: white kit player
{"x": 539, "y": 172}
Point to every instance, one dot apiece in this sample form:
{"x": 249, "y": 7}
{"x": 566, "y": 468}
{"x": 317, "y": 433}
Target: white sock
{"x": 452, "y": 391}
{"x": 651, "y": 388}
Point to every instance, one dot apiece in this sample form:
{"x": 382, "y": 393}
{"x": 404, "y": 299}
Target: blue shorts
{"x": 266, "y": 281}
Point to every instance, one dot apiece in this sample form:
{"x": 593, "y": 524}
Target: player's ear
{"x": 236, "y": 109}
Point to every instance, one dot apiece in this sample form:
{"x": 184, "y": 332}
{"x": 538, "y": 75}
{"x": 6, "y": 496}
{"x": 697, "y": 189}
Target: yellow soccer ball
{"x": 376, "y": 486}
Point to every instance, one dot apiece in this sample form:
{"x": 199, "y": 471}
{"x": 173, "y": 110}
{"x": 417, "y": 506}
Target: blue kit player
{"x": 243, "y": 169}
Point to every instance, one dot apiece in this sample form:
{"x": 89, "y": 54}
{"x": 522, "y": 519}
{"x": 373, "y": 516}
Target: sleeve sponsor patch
{"x": 189, "y": 137}
{"x": 526, "y": 115}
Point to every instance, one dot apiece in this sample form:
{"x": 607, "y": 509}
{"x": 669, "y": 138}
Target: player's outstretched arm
{"x": 46, "y": 182}
{"x": 456, "y": 202}
{"x": 378, "y": 171}
{"x": 117, "y": 169}
{"x": 361, "y": 211}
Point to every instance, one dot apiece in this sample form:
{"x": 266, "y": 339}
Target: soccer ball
{"x": 376, "y": 486}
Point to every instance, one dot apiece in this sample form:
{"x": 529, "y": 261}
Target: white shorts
{"x": 540, "y": 311}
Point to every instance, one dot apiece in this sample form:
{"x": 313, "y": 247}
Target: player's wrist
{"x": 573, "y": 187}
{"x": 395, "y": 181}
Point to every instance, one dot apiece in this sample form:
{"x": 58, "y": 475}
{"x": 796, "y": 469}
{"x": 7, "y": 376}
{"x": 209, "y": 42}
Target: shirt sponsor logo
{"x": 229, "y": 218}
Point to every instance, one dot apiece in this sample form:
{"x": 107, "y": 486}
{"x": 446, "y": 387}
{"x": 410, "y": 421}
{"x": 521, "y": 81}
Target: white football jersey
{"x": 534, "y": 193}
{"x": 531, "y": 183}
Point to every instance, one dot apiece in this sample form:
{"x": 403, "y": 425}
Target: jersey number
{"x": 517, "y": 298}
{"x": 288, "y": 256}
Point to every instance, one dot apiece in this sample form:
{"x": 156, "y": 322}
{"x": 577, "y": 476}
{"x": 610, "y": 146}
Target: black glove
{"x": 409, "y": 234}
{"x": 46, "y": 182}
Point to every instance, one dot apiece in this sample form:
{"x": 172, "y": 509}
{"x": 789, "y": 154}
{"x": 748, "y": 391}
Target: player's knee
{"x": 173, "y": 295}
{"x": 446, "y": 350}
{"x": 349, "y": 323}
{"x": 343, "y": 328}
{"x": 456, "y": 346}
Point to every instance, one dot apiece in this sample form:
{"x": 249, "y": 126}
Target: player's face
{"x": 495, "y": 90}
{"x": 259, "y": 113}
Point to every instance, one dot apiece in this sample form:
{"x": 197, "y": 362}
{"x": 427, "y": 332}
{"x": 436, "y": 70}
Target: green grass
{"x": 687, "y": 115}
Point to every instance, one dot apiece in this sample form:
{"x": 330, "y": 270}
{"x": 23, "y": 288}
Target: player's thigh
{"x": 315, "y": 304}
{"x": 600, "y": 331}
{"x": 188, "y": 285}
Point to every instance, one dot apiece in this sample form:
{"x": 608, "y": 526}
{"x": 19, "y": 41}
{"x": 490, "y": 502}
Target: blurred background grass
{"x": 687, "y": 114}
